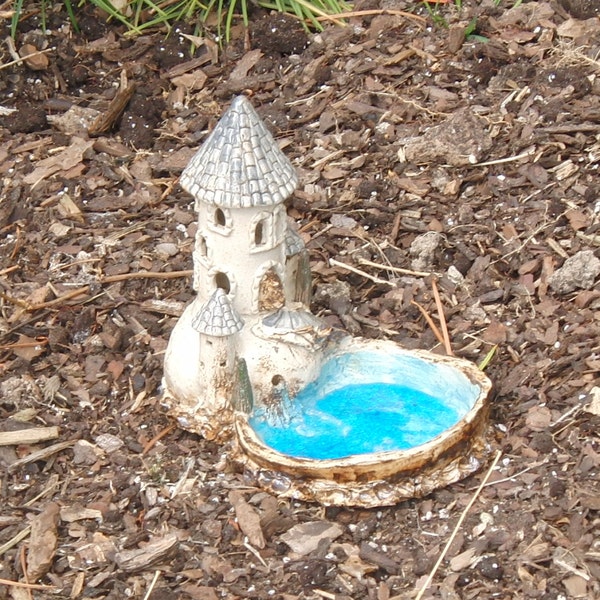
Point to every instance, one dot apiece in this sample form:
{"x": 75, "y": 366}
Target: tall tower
{"x": 248, "y": 332}
{"x": 240, "y": 179}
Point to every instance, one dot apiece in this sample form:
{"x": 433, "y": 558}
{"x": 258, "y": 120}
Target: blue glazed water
{"x": 366, "y": 402}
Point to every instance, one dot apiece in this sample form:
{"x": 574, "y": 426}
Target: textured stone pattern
{"x": 217, "y": 317}
{"x": 240, "y": 165}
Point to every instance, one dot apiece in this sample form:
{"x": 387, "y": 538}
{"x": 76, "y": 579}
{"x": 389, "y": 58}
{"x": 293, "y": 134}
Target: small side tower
{"x": 240, "y": 179}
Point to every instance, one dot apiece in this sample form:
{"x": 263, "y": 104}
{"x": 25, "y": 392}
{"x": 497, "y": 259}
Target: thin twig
{"x": 156, "y": 438}
{"x": 370, "y": 263}
{"x": 15, "y": 540}
{"x": 256, "y": 553}
{"x": 457, "y": 527}
{"x": 152, "y": 584}
{"x": 22, "y": 58}
{"x": 430, "y": 322}
{"x": 23, "y": 559}
{"x": 42, "y": 454}
{"x": 337, "y": 263}
{"x": 146, "y": 275}
{"x": 31, "y": 586}
{"x": 9, "y": 270}
{"x": 367, "y": 13}
{"x": 501, "y": 161}
{"x": 442, "y": 318}
{"x": 86, "y": 288}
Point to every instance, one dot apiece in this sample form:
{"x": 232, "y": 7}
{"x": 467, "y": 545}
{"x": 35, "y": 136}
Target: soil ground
{"x": 469, "y": 156}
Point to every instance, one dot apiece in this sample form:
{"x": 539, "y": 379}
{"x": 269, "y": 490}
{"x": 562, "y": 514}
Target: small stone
{"x": 423, "y": 249}
{"x": 85, "y": 453}
{"x": 108, "y": 442}
{"x": 36, "y": 62}
{"x": 166, "y": 249}
{"x": 557, "y": 488}
{"x": 460, "y": 140}
{"x": 490, "y": 568}
{"x": 578, "y": 272}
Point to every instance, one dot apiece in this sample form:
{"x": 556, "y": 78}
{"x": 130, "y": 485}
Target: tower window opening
{"x": 222, "y": 281}
{"x": 259, "y": 234}
{"x": 202, "y": 246}
{"x": 220, "y": 217}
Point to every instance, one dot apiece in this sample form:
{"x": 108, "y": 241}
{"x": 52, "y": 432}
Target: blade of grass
{"x": 14, "y": 21}
{"x": 488, "y": 358}
{"x": 71, "y": 13}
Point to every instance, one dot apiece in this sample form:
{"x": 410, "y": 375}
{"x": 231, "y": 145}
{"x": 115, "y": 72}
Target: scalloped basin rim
{"x": 390, "y": 460}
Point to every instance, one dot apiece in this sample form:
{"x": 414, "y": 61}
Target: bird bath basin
{"x": 378, "y": 425}
{"x": 306, "y": 412}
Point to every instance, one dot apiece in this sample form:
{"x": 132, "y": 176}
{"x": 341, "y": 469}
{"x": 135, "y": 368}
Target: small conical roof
{"x": 240, "y": 164}
{"x": 286, "y": 319}
{"x": 217, "y": 317}
{"x": 294, "y": 244}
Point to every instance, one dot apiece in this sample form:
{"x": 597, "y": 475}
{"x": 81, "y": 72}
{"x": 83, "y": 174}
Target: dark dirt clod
{"x": 278, "y": 34}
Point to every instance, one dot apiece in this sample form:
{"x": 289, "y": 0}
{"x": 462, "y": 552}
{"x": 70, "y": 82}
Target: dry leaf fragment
{"x": 69, "y": 514}
{"x": 27, "y": 348}
{"x": 245, "y": 64}
{"x": 43, "y": 542}
{"x": 199, "y": 592}
{"x": 577, "y": 219}
{"x": 191, "y": 81}
{"x": 576, "y": 586}
{"x": 248, "y": 519}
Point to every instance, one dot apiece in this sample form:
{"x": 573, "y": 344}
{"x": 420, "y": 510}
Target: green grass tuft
{"x": 140, "y": 15}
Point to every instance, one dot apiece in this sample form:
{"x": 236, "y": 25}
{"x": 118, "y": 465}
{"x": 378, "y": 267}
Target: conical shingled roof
{"x": 240, "y": 164}
{"x": 217, "y": 317}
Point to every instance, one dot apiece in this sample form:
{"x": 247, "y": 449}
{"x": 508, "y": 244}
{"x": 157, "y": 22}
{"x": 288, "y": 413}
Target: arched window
{"x": 220, "y": 218}
{"x": 259, "y": 233}
{"x": 202, "y": 245}
{"x": 262, "y": 232}
{"x": 222, "y": 281}
{"x": 270, "y": 291}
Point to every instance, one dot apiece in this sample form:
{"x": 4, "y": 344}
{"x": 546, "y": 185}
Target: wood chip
{"x": 42, "y": 542}
{"x": 28, "y": 436}
{"x": 106, "y": 121}
{"x": 248, "y": 519}
{"x": 142, "y": 558}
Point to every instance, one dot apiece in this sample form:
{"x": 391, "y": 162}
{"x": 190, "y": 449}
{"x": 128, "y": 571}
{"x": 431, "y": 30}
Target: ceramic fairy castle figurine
{"x": 311, "y": 414}
{"x": 248, "y": 333}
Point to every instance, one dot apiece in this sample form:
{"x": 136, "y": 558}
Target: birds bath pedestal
{"x": 307, "y": 412}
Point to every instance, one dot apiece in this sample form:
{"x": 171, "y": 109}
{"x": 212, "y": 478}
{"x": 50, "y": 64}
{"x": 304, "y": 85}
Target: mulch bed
{"x": 421, "y": 155}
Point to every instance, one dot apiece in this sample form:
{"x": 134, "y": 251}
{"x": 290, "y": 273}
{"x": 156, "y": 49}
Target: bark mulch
{"x": 423, "y": 151}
